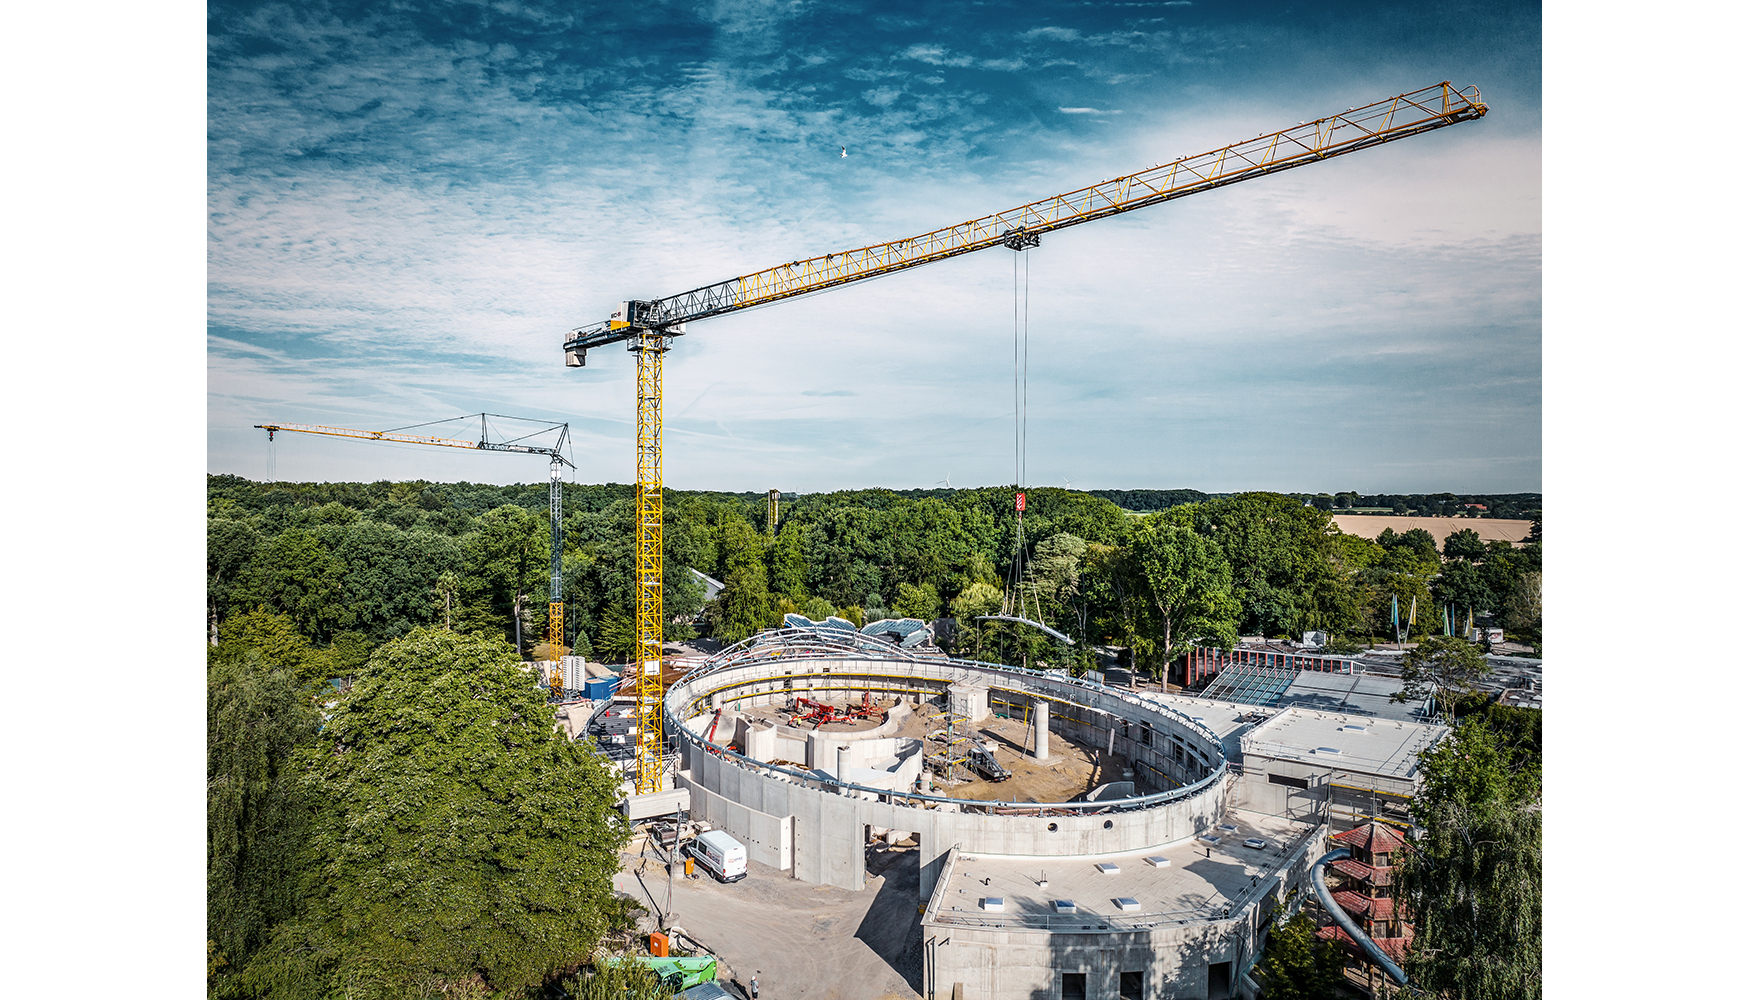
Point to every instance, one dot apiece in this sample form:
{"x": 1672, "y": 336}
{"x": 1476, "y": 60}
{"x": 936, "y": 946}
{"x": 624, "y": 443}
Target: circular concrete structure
{"x": 813, "y": 813}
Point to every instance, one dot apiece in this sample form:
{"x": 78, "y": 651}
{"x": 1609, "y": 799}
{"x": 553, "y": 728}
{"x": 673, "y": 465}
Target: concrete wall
{"x": 994, "y": 964}
{"x": 830, "y": 829}
{"x": 1257, "y": 792}
{"x": 990, "y": 963}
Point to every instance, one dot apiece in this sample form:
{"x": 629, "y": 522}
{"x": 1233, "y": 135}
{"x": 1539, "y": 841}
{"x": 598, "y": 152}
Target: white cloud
{"x": 935, "y": 55}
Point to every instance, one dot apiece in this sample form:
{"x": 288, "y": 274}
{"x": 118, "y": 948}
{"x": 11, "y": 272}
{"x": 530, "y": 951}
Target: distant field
{"x": 1488, "y": 528}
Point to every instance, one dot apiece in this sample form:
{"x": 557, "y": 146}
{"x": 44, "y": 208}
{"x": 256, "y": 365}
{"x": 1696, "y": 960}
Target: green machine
{"x": 679, "y": 973}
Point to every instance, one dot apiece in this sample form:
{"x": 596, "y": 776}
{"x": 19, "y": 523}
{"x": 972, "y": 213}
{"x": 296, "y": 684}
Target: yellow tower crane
{"x": 555, "y": 494}
{"x": 648, "y": 327}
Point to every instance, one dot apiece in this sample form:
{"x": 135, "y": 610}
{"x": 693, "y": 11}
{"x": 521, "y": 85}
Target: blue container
{"x": 600, "y": 688}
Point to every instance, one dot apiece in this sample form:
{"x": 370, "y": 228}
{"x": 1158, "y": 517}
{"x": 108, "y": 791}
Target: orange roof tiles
{"x": 1394, "y": 948}
{"x": 1371, "y": 874}
{"x": 1373, "y": 909}
{"x": 1373, "y": 838}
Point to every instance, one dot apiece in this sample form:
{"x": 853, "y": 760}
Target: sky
{"x": 409, "y": 205}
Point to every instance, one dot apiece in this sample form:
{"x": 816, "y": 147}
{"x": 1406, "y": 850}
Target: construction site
{"x": 1072, "y": 840}
{"x": 1029, "y": 833}
{"x": 1049, "y": 833}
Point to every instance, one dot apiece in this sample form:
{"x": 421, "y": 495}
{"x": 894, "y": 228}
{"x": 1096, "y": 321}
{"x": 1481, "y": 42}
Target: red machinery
{"x": 820, "y": 713}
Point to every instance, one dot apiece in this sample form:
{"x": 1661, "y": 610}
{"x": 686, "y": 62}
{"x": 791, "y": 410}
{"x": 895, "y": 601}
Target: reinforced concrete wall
{"x": 1174, "y": 958}
{"x": 830, "y": 827}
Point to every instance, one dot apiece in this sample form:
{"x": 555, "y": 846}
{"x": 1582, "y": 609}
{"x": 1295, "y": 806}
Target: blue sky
{"x": 409, "y": 205}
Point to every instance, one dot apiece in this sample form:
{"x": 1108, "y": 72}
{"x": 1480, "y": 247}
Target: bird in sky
{"x": 842, "y": 153}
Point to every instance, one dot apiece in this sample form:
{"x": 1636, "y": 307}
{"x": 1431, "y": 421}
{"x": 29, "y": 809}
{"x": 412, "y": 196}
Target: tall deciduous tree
{"x": 1474, "y": 878}
{"x": 257, "y": 715}
{"x": 294, "y": 575}
{"x": 462, "y": 839}
{"x": 745, "y": 606}
{"x": 1189, "y": 583}
{"x": 1463, "y": 544}
{"x": 1443, "y": 667}
{"x": 276, "y": 638}
{"x": 1525, "y": 607}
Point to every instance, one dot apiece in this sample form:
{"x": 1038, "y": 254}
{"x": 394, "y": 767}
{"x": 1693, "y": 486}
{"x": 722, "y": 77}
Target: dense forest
{"x": 354, "y": 565}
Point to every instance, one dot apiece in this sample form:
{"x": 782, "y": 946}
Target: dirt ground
{"x": 1489, "y": 529}
{"x": 801, "y": 940}
{"x": 1072, "y": 769}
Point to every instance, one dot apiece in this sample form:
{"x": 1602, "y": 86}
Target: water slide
{"x": 1375, "y": 954}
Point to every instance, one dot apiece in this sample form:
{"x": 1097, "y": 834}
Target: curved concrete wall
{"x": 816, "y": 827}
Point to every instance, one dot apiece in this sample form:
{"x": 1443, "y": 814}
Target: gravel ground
{"x": 801, "y": 940}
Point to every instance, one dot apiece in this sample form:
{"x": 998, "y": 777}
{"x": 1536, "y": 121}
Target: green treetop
{"x": 461, "y": 838}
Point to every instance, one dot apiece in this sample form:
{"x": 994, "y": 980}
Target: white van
{"x": 721, "y": 855}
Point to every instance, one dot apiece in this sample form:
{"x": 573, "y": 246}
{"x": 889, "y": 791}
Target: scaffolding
{"x": 954, "y": 744}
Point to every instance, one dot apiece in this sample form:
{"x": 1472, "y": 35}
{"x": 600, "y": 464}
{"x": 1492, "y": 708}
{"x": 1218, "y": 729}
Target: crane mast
{"x": 649, "y": 326}
{"x": 555, "y": 495}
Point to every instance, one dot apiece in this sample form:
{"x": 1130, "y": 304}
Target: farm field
{"x": 1487, "y": 528}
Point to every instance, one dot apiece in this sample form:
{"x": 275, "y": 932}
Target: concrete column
{"x": 1041, "y": 730}
{"x": 839, "y": 773}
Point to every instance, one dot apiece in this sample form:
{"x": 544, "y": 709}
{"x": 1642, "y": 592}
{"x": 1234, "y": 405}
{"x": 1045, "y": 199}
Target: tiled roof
{"x": 1371, "y": 874}
{"x": 1373, "y": 838}
{"x": 1394, "y": 948}
{"x": 1374, "y": 909}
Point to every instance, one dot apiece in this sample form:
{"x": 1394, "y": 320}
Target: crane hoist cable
{"x": 555, "y": 495}
{"x": 648, "y": 327}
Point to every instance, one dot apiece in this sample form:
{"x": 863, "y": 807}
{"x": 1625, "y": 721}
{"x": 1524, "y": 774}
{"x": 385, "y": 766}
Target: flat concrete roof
{"x": 1343, "y": 742}
{"x": 1200, "y": 881}
{"x": 1227, "y": 719}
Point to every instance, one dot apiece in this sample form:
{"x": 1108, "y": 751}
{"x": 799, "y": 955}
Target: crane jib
{"x": 1309, "y": 142}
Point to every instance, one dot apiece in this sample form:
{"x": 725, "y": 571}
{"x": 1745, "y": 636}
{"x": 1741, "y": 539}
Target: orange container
{"x": 659, "y": 945}
{"x": 689, "y": 866}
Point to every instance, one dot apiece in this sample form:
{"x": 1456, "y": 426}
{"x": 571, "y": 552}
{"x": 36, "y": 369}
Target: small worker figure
{"x": 753, "y": 984}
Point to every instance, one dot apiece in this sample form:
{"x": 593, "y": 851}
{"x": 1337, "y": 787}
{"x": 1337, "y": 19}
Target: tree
{"x": 745, "y": 606}
{"x": 294, "y": 575}
{"x": 257, "y": 715}
{"x": 978, "y": 599}
{"x": 463, "y": 844}
{"x": 1474, "y": 878}
{"x": 1443, "y": 667}
{"x": 231, "y": 544}
{"x": 1460, "y": 584}
{"x": 617, "y": 639}
{"x": 1295, "y": 966}
{"x": 1464, "y": 544}
{"x": 1525, "y": 607}
{"x": 448, "y": 582}
{"x": 1188, "y": 581}
{"x": 277, "y": 640}
{"x": 920, "y": 602}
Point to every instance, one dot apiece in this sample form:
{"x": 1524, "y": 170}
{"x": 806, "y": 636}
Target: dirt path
{"x": 802, "y": 940}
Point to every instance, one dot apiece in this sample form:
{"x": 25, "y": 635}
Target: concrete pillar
{"x": 839, "y": 772}
{"x": 1041, "y": 730}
